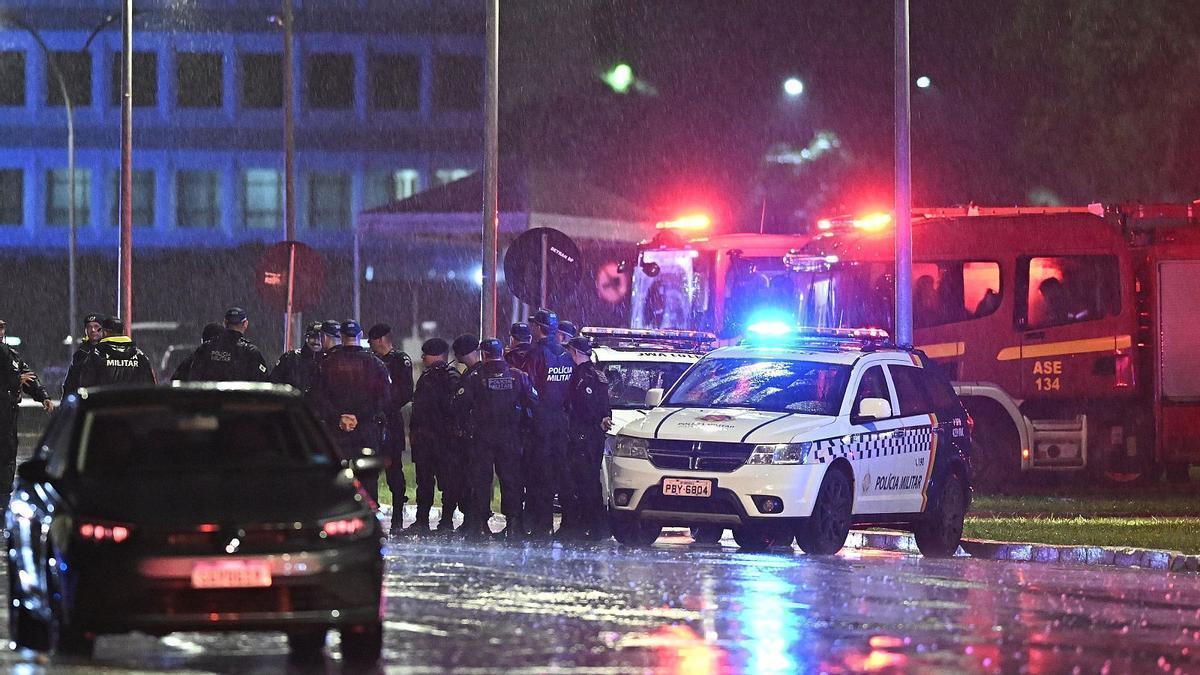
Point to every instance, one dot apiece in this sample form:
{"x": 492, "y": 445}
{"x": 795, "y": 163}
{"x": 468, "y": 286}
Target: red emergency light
{"x": 692, "y": 223}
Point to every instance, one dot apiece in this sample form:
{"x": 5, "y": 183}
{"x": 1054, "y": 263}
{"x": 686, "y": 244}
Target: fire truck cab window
{"x": 952, "y": 291}
{"x": 1067, "y": 289}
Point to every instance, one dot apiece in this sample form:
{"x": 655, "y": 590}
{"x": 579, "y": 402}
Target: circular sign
{"x": 611, "y": 285}
{"x": 523, "y": 265}
{"x": 271, "y": 276}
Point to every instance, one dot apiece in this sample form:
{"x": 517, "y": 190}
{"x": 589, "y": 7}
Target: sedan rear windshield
{"x": 783, "y": 386}
{"x": 229, "y": 436}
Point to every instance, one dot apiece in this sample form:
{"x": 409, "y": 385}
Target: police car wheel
{"x": 939, "y": 534}
{"x": 758, "y": 537}
{"x": 633, "y": 532}
{"x": 707, "y": 534}
{"x": 825, "y": 531}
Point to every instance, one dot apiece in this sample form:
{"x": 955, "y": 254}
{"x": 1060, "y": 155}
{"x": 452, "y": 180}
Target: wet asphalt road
{"x": 460, "y": 607}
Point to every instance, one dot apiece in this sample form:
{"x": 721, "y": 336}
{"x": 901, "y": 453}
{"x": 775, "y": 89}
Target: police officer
{"x": 211, "y": 332}
{"x": 520, "y": 346}
{"x": 331, "y": 333}
{"x": 30, "y": 385}
{"x": 400, "y": 369}
{"x": 495, "y": 398}
{"x": 431, "y": 430}
{"x": 466, "y": 361}
{"x": 230, "y": 357}
{"x": 550, "y": 369}
{"x": 116, "y": 360}
{"x": 350, "y": 392}
{"x": 298, "y": 366}
{"x": 566, "y": 332}
{"x": 588, "y": 416}
{"x": 25, "y": 382}
{"x": 92, "y": 333}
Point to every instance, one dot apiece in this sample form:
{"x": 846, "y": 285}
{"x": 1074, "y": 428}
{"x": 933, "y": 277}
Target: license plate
{"x": 683, "y": 487}
{"x": 231, "y": 574}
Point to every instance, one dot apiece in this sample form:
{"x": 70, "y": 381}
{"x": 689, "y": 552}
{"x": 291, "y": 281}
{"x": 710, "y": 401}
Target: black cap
{"x": 435, "y": 347}
{"x": 211, "y": 330}
{"x": 520, "y": 331}
{"x": 350, "y": 328}
{"x": 235, "y": 315}
{"x": 113, "y": 324}
{"x": 331, "y": 328}
{"x": 568, "y": 327}
{"x": 93, "y": 318}
{"x": 581, "y": 345}
{"x": 379, "y": 330}
{"x": 546, "y": 319}
{"x": 313, "y": 329}
{"x": 491, "y": 348}
{"x": 465, "y": 344}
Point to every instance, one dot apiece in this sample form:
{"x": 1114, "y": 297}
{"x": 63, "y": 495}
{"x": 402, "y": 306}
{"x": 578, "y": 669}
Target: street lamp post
{"x": 125, "y": 286}
{"x": 491, "y": 224}
{"x": 903, "y": 208}
{"x": 289, "y": 172}
{"x": 72, "y": 297}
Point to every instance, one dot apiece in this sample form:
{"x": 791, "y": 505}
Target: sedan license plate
{"x": 231, "y": 574}
{"x": 683, "y": 487}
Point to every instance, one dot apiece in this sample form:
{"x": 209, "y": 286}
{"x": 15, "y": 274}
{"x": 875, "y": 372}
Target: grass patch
{"x": 1153, "y": 505}
{"x": 410, "y": 483}
{"x": 1171, "y": 533}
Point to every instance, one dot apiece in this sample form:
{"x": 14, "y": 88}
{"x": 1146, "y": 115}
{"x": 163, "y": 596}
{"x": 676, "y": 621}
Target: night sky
{"x": 1002, "y": 76}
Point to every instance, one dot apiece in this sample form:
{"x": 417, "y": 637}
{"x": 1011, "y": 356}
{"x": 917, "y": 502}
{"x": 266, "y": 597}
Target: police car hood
{"x": 621, "y": 417}
{"x": 733, "y": 425}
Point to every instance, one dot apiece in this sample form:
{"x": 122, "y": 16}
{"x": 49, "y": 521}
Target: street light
{"x": 923, "y": 82}
{"x": 72, "y": 302}
{"x": 793, "y": 87}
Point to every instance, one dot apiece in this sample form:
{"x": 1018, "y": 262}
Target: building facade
{"x": 387, "y": 98}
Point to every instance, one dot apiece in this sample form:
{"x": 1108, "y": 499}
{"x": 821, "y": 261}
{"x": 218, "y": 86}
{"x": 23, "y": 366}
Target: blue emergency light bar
{"x": 635, "y": 337}
{"x": 780, "y": 333}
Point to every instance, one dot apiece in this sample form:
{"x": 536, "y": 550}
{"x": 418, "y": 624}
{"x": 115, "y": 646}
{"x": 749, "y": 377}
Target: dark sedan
{"x": 218, "y": 507}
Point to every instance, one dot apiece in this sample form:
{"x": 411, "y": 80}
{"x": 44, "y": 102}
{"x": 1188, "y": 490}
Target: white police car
{"x": 802, "y": 438}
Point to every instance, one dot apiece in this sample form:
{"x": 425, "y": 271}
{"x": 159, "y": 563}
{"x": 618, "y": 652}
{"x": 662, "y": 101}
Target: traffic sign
{"x": 271, "y": 273}
{"x": 542, "y": 267}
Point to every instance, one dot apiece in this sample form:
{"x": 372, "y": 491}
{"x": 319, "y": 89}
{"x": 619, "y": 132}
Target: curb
{"x": 1133, "y": 558}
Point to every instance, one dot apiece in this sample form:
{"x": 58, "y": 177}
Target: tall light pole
{"x": 289, "y": 170}
{"x": 491, "y": 216}
{"x": 125, "y": 256}
{"x": 903, "y": 208}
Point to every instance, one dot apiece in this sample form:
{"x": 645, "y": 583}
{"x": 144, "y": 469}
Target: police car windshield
{"x": 628, "y": 381}
{"x": 161, "y": 438}
{"x": 805, "y": 387}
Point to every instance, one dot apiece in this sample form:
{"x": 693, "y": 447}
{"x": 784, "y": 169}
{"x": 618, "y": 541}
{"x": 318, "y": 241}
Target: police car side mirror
{"x": 873, "y": 409}
{"x": 654, "y": 397}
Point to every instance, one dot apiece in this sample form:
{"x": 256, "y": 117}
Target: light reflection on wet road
{"x": 678, "y": 608}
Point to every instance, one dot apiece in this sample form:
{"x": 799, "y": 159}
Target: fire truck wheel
{"x": 1178, "y": 472}
{"x": 938, "y": 535}
{"x": 994, "y": 465}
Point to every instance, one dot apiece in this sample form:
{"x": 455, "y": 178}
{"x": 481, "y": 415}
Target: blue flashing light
{"x": 769, "y": 328}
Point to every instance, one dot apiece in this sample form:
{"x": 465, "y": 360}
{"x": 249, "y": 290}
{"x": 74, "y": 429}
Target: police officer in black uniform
{"x": 567, "y": 332}
{"x": 331, "y": 336}
{"x": 298, "y": 366}
{"x": 93, "y": 331}
{"x": 495, "y": 398}
{"x": 211, "y": 332}
{"x": 589, "y": 415}
{"x": 400, "y": 368}
{"x": 230, "y": 357}
{"x": 550, "y": 369}
{"x": 10, "y": 381}
{"x": 349, "y": 393}
{"x": 466, "y": 360}
{"x": 520, "y": 346}
{"x": 116, "y": 360}
{"x": 431, "y": 430}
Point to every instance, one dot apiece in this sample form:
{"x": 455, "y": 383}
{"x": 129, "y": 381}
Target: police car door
{"x": 921, "y": 431}
{"x": 874, "y": 444}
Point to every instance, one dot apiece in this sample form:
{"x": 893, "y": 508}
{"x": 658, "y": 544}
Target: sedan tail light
{"x": 100, "y": 532}
{"x": 343, "y": 527}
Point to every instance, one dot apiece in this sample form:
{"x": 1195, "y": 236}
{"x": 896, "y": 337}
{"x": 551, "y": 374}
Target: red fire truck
{"x": 1072, "y": 333}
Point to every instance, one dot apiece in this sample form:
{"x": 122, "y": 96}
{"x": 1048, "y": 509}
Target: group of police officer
{"x": 534, "y": 414}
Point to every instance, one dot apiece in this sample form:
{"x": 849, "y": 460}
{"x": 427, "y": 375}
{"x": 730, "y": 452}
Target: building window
{"x": 384, "y": 187}
{"x": 145, "y": 79}
{"x": 12, "y": 197}
{"x": 395, "y": 81}
{"x": 262, "y": 81}
{"x": 12, "y": 78}
{"x": 330, "y": 81}
{"x": 58, "y": 201}
{"x": 458, "y": 83}
{"x": 262, "y": 200}
{"x": 198, "y": 76}
{"x": 76, "y": 68}
{"x": 329, "y": 201}
{"x": 450, "y": 175}
{"x": 143, "y": 198}
{"x": 197, "y": 199}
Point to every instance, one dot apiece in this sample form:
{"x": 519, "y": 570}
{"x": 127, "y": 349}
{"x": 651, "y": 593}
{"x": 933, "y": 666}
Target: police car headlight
{"x": 635, "y": 448}
{"x": 780, "y": 453}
